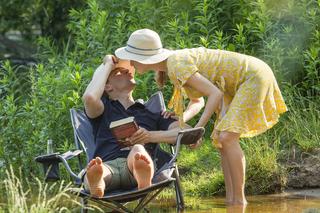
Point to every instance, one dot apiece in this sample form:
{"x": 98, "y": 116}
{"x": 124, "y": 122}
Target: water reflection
{"x": 236, "y": 209}
{"x": 257, "y": 204}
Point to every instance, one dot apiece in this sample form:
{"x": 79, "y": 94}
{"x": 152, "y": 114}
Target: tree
{"x": 34, "y": 17}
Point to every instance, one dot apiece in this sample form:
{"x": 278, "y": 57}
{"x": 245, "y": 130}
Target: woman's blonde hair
{"x": 161, "y": 79}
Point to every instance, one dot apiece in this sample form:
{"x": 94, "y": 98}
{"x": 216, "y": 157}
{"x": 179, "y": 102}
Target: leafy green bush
{"x": 34, "y": 106}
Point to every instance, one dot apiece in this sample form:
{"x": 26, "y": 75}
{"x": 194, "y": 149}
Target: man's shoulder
{"x": 105, "y": 99}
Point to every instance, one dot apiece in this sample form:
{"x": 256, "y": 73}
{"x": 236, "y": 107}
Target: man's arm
{"x": 143, "y": 136}
{"x": 94, "y": 91}
{"x": 167, "y": 136}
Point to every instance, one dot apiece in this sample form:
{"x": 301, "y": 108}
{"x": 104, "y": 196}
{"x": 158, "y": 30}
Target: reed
{"x": 36, "y": 197}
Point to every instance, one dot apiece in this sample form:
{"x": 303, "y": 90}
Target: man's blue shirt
{"x": 107, "y": 147}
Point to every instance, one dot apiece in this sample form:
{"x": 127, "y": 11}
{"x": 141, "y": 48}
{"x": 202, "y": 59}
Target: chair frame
{"x": 117, "y": 200}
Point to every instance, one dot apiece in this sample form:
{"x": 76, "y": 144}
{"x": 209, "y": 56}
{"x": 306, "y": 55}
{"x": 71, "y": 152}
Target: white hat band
{"x": 145, "y": 52}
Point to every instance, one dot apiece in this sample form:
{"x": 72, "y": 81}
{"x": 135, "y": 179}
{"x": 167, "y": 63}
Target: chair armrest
{"x": 47, "y": 158}
{"x": 191, "y": 136}
{"x": 51, "y": 162}
{"x": 67, "y": 156}
{"x": 71, "y": 154}
{"x": 187, "y": 137}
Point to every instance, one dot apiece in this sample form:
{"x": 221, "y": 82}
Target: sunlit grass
{"x": 264, "y": 172}
{"x": 35, "y": 197}
{"x": 304, "y": 120}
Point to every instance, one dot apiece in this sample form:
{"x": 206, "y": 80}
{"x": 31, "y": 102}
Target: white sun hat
{"x": 145, "y": 47}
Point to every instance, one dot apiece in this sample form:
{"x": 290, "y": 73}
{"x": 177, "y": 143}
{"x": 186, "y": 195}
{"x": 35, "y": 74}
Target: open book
{"x": 123, "y": 128}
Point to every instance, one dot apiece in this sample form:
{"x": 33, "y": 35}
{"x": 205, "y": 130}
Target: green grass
{"x": 304, "y": 120}
{"x": 35, "y": 197}
{"x": 199, "y": 170}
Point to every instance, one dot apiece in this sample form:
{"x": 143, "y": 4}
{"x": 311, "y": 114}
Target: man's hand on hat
{"x": 110, "y": 60}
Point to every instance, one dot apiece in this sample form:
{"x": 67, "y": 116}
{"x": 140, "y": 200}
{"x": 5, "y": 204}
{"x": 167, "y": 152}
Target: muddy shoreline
{"x": 299, "y": 193}
{"x": 303, "y": 172}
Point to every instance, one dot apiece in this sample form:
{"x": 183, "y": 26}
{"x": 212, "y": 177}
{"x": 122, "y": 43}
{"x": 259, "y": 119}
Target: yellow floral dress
{"x": 250, "y": 89}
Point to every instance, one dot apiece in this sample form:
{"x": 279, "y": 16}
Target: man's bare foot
{"x": 95, "y": 177}
{"x": 142, "y": 170}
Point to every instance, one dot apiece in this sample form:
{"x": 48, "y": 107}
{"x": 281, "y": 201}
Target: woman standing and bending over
{"x": 240, "y": 89}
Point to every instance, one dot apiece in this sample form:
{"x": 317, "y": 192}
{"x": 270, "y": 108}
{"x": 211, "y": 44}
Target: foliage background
{"x": 34, "y": 104}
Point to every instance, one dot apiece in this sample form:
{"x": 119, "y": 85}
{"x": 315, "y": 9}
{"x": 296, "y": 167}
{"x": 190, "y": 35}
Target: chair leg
{"x": 84, "y": 205}
{"x": 179, "y": 193}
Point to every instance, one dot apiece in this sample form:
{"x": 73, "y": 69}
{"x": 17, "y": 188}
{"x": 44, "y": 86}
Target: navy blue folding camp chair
{"x": 166, "y": 170}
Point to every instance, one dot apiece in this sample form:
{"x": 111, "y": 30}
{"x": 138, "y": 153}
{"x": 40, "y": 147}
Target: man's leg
{"x": 141, "y": 166}
{"x": 97, "y": 174}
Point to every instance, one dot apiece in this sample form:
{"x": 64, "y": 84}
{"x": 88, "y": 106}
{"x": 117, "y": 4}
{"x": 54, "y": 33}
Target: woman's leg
{"x": 224, "y": 160}
{"x": 233, "y": 154}
{"x": 227, "y": 178}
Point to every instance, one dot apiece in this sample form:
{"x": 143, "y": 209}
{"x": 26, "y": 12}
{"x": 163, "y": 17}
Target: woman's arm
{"x": 194, "y": 107}
{"x": 204, "y": 86}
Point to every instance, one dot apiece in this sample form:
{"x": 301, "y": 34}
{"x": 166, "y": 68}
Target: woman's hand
{"x": 142, "y": 136}
{"x": 196, "y": 145}
{"x": 168, "y": 114}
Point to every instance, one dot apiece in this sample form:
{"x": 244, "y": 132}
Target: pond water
{"x": 262, "y": 203}
{"x": 303, "y": 201}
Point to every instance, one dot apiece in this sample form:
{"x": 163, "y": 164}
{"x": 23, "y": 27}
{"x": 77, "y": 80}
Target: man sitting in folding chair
{"x": 107, "y": 98}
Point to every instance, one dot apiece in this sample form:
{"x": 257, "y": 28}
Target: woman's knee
{"x": 228, "y": 138}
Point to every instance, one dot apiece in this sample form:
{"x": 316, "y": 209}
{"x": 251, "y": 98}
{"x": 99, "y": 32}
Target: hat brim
{"x": 122, "y": 53}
